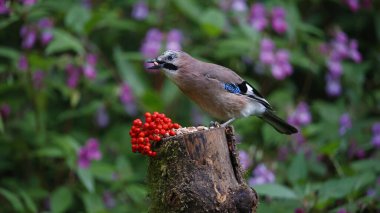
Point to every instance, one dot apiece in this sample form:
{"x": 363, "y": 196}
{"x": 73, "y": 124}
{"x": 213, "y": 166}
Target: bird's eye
{"x": 170, "y": 57}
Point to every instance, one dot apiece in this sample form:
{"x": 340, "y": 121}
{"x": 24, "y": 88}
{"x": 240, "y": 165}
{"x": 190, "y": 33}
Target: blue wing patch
{"x": 232, "y": 88}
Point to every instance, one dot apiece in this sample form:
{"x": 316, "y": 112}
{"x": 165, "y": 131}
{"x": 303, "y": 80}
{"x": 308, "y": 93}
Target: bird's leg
{"x": 227, "y": 122}
{"x": 214, "y": 124}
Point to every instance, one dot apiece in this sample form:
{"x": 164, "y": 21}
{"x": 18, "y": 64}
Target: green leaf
{"x": 30, "y": 205}
{"x": 8, "y": 21}
{"x": 12, "y": 199}
{"x": 298, "y": 168}
{"x": 232, "y": 47}
{"x": 330, "y": 148}
{"x": 275, "y": 190}
{"x": 169, "y": 92}
{"x": 102, "y": 171}
{"x": 190, "y": 8}
{"x": 137, "y": 192}
{"x": 2, "y": 130}
{"x": 377, "y": 25}
{"x": 299, "y": 58}
{"x": 9, "y": 53}
{"x": 50, "y": 152}
{"x": 213, "y": 22}
{"x": 87, "y": 179}
{"x": 129, "y": 73}
{"x": 283, "y": 206}
{"x": 77, "y": 17}
{"x": 93, "y": 203}
{"x": 61, "y": 200}
{"x": 329, "y": 112}
{"x": 62, "y": 42}
{"x": 311, "y": 29}
{"x": 151, "y": 101}
{"x": 366, "y": 165}
{"x": 271, "y": 137}
{"x": 337, "y": 188}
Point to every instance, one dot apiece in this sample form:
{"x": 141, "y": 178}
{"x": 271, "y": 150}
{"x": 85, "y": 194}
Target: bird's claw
{"x": 214, "y": 124}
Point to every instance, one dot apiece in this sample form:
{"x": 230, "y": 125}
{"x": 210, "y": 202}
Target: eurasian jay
{"x": 217, "y": 90}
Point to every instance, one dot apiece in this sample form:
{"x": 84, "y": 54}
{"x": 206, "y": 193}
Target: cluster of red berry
{"x": 156, "y": 127}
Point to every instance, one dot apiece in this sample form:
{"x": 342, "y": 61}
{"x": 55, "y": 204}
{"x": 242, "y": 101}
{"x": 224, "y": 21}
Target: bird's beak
{"x": 156, "y": 63}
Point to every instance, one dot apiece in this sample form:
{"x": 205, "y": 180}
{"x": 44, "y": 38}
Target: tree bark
{"x": 199, "y": 172}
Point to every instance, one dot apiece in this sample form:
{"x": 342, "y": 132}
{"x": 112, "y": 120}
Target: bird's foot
{"x": 227, "y": 122}
{"x": 214, "y": 124}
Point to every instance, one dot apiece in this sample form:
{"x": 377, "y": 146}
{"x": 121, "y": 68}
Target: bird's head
{"x": 170, "y": 61}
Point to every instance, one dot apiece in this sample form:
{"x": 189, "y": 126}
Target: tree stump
{"x": 199, "y": 172}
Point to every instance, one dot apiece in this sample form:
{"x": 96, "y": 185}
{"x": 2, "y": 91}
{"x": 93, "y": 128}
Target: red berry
{"x": 140, "y": 140}
{"x": 134, "y": 140}
{"x": 176, "y": 126}
{"x": 172, "y": 133}
{"x": 137, "y": 122}
{"x": 162, "y": 132}
{"x": 147, "y": 114}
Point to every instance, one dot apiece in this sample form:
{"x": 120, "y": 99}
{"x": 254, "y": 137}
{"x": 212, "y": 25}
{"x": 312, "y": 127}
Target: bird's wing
{"x": 233, "y": 83}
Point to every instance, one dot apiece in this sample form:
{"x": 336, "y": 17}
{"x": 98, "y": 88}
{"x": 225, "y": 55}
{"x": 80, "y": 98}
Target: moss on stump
{"x": 199, "y": 172}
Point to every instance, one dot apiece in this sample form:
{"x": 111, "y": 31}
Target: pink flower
{"x": 258, "y": 18}
{"x": 38, "y": 78}
{"x": 261, "y": 175}
{"x": 239, "y": 5}
{"x": 88, "y": 153}
{"x": 45, "y": 25}
{"x": 29, "y": 36}
{"x": 301, "y": 116}
{"x": 335, "y": 68}
{"x": 89, "y": 69}
{"x": 174, "y": 39}
{"x": 140, "y": 10}
{"x": 353, "y": 52}
{"x": 29, "y": 2}
{"x": 127, "y": 99}
{"x": 73, "y": 75}
{"x": 279, "y": 24}
{"x": 4, "y": 7}
{"x": 376, "y": 135}
{"x": 152, "y": 43}
{"x": 333, "y": 86}
{"x": 267, "y": 51}
{"x": 5, "y": 110}
{"x": 353, "y": 4}
{"x": 245, "y": 160}
{"x": 23, "y": 63}
{"x": 102, "y": 118}
{"x": 345, "y": 123}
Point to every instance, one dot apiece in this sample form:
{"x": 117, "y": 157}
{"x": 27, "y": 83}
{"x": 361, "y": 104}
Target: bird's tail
{"x": 279, "y": 124}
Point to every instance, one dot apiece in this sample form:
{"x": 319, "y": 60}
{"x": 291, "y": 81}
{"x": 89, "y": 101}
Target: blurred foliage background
{"x": 72, "y": 79}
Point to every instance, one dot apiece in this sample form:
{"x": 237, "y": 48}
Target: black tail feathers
{"x": 277, "y": 123}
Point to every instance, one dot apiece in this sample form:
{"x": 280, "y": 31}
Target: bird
{"x": 217, "y": 90}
